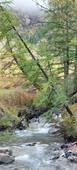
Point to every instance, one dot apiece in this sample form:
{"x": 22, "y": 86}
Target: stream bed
{"x": 35, "y": 147}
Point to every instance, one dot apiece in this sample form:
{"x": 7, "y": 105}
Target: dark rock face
{"x": 68, "y": 139}
{"x": 20, "y": 126}
{"x": 3, "y": 128}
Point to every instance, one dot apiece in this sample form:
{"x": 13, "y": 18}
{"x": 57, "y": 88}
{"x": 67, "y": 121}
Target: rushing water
{"x": 34, "y": 149}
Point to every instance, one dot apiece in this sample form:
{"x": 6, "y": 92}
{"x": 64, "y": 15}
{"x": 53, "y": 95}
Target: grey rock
{"x": 31, "y": 144}
{"x": 56, "y": 155}
{"x": 72, "y": 158}
{"x": 6, "y": 155}
{"x": 53, "y": 131}
{"x": 6, "y": 159}
{"x": 6, "y": 151}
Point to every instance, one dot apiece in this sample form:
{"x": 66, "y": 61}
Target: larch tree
{"x": 58, "y": 33}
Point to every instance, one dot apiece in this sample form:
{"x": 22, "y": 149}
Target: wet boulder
{"x": 6, "y": 159}
{"x": 56, "y": 155}
{"x": 54, "y": 130}
{"x": 31, "y": 144}
{"x": 6, "y": 156}
{"x": 72, "y": 158}
{"x": 70, "y": 151}
{"x": 6, "y": 151}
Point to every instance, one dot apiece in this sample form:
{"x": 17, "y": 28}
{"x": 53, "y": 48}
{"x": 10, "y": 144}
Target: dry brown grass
{"x": 17, "y": 97}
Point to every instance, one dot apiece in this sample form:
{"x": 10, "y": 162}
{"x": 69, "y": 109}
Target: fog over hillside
{"x": 27, "y": 6}
{"x": 27, "y": 11}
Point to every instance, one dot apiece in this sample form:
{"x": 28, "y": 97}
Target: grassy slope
{"x": 11, "y": 100}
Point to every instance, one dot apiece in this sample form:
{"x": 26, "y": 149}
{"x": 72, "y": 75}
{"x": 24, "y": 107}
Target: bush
{"x": 69, "y": 124}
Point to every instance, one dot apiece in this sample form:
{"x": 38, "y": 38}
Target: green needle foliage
{"x": 56, "y": 48}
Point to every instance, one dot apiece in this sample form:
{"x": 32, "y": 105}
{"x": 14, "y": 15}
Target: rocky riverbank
{"x": 38, "y": 148}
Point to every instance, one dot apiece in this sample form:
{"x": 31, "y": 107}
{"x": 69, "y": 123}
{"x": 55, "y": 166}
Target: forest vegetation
{"x": 38, "y": 62}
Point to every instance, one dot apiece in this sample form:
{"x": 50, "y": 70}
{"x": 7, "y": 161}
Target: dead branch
{"x": 68, "y": 110}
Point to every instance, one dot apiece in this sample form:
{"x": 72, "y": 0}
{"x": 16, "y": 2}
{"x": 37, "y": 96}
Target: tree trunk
{"x": 75, "y": 72}
{"x": 66, "y": 60}
{"x": 15, "y": 58}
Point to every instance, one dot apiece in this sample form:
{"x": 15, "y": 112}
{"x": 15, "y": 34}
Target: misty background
{"x": 28, "y": 6}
